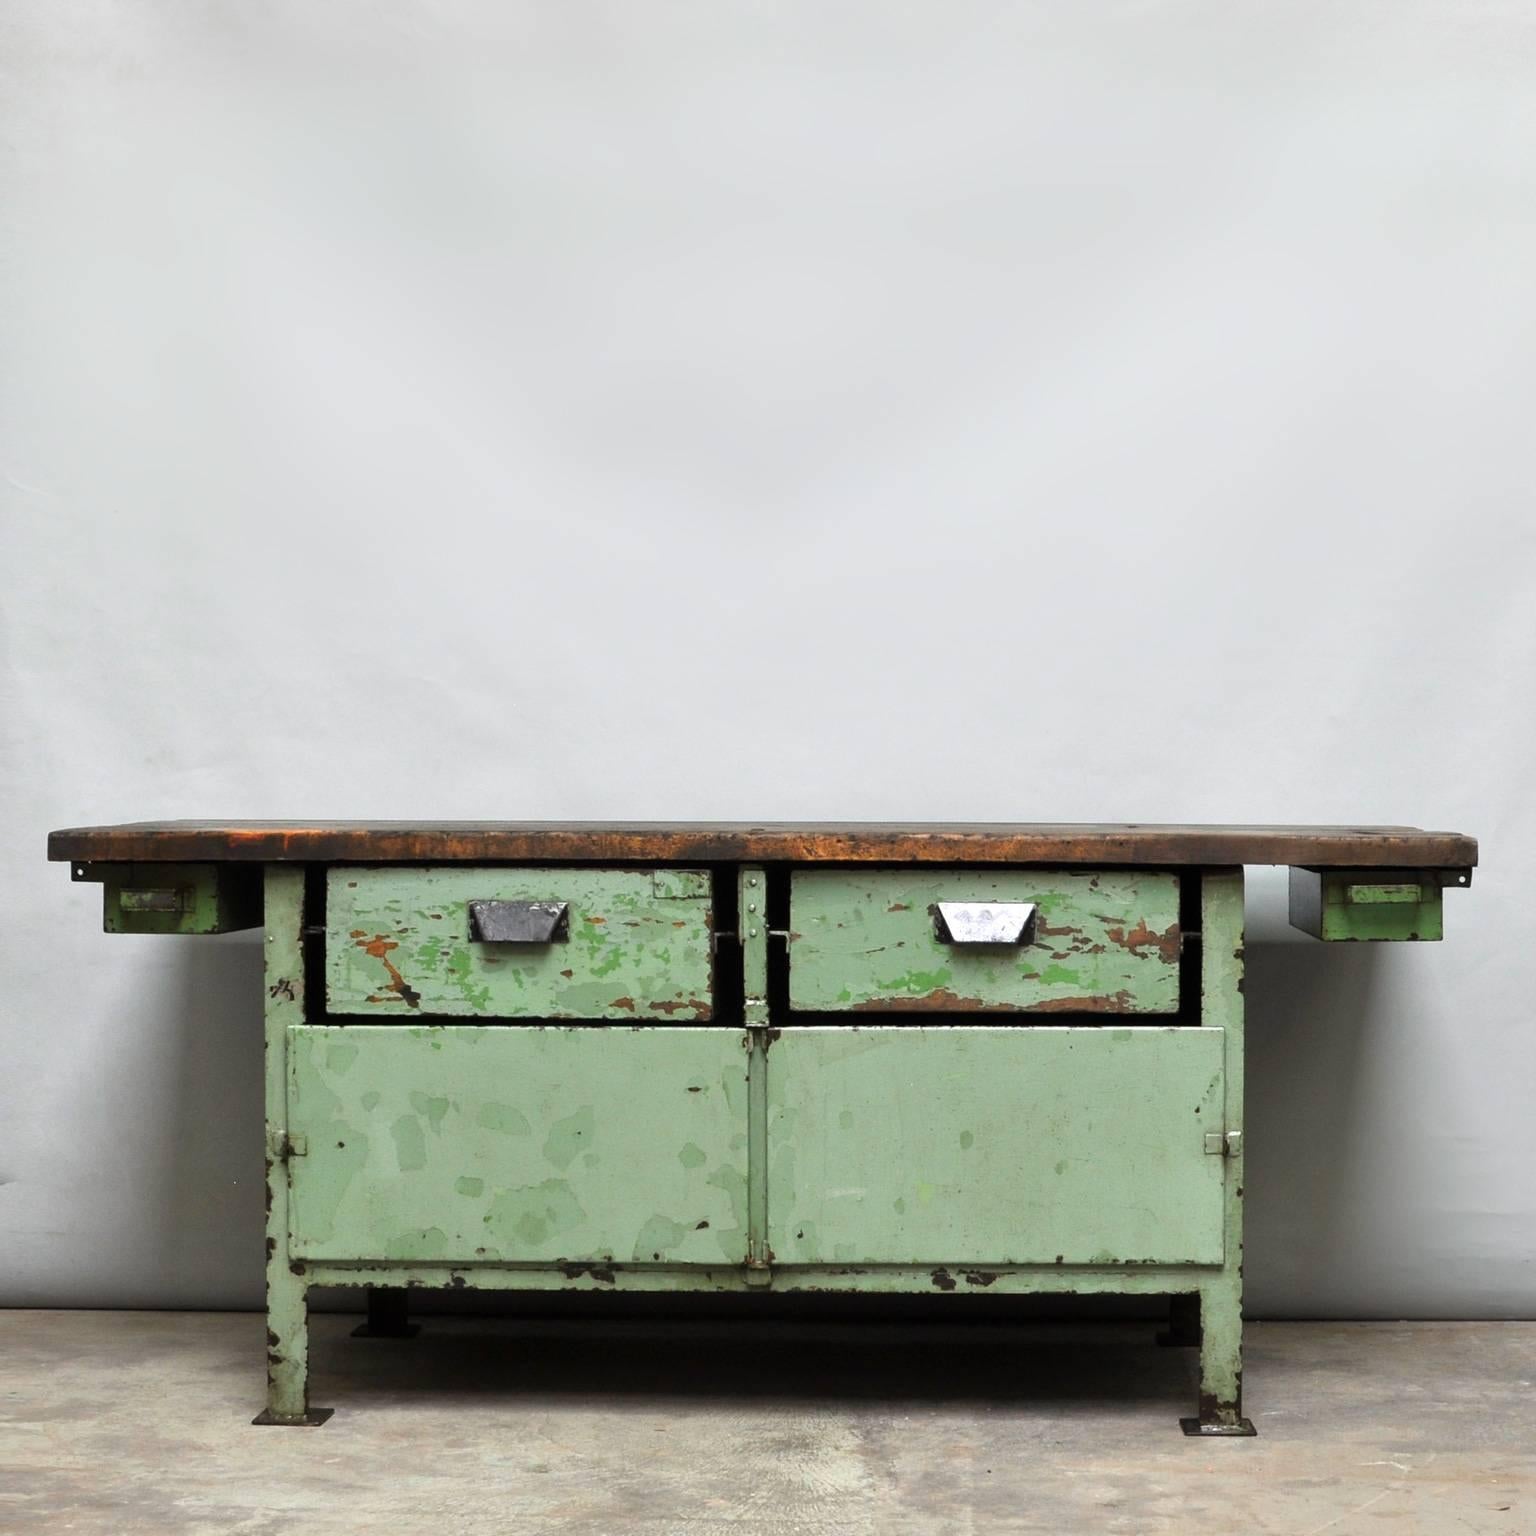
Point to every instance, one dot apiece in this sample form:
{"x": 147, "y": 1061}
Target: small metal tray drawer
{"x": 974, "y": 941}
{"x": 1370, "y": 904}
{"x": 631, "y": 944}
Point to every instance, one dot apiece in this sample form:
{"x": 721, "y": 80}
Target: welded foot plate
{"x": 303, "y": 1421}
{"x": 1243, "y": 1427}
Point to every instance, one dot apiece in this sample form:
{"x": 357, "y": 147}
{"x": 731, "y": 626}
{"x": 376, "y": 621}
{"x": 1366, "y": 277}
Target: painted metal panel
{"x": 1102, "y": 942}
{"x": 518, "y": 1143}
{"x": 637, "y": 944}
{"x": 995, "y": 1145}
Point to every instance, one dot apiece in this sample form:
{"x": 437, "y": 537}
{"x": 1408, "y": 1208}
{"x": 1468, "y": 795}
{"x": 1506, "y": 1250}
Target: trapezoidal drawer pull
{"x": 984, "y": 922}
{"x": 519, "y": 922}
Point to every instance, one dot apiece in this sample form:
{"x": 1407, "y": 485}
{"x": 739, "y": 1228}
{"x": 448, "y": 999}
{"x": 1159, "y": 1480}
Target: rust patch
{"x": 627, "y": 1003}
{"x": 602, "y": 1273}
{"x": 273, "y": 1342}
{"x": 944, "y": 1000}
{"x": 1142, "y": 937}
{"x": 358, "y": 933}
{"x": 943, "y": 1279}
{"x": 979, "y": 1277}
{"x": 669, "y": 1006}
{"x": 899, "y": 906}
{"x": 1214, "y": 1411}
{"x": 271, "y": 1246}
{"x": 378, "y": 948}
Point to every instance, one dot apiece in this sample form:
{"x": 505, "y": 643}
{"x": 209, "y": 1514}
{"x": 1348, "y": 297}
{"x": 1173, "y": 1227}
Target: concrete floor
{"x": 139, "y": 1422}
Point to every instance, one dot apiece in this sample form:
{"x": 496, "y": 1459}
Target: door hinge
{"x": 1223, "y": 1143}
{"x": 281, "y": 1146}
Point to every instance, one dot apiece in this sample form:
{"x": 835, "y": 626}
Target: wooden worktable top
{"x": 859, "y": 842}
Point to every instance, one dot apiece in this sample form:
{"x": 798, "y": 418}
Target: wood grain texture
{"x": 1108, "y": 843}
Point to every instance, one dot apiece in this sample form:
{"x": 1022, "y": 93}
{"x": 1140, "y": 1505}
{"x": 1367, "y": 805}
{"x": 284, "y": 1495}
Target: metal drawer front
{"x": 878, "y": 941}
{"x": 459, "y": 1143}
{"x": 996, "y": 1145}
{"x": 595, "y": 943}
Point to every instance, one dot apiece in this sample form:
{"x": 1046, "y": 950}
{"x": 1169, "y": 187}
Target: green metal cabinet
{"x": 683, "y": 1057}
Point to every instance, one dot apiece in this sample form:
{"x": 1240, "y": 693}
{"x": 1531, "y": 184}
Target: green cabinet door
{"x": 995, "y": 1145}
{"x": 458, "y": 1143}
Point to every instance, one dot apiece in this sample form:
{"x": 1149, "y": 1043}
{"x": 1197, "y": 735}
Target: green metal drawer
{"x": 868, "y": 941}
{"x": 633, "y": 944}
{"x": 996, "y": 1145}
{"x": 1367, "y": 905}
{"x": 518, "y": 1143}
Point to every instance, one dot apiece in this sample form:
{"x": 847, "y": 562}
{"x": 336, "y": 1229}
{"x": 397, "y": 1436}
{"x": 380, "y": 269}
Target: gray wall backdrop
{"x": 949, "y": 410}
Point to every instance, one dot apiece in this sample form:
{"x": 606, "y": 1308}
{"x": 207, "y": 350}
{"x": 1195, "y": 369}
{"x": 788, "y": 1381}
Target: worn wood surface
{"x": 811, "y": 842}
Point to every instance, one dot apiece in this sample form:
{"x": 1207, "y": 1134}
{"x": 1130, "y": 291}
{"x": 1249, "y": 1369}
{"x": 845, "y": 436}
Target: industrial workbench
{"x": 706, "y": 1057}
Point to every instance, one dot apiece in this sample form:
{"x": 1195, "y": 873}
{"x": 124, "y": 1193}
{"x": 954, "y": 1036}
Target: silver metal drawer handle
{"x": 984, "y": 922}
{"x": 519, "y": 922}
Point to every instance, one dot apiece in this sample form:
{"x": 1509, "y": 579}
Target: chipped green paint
{"x": 519, "y": 1143}
{"x": 410, "y": 1144}
{"x": 638, "y": 947}
{"x": 433, "y": 1110}
{"x": 658, "y": 1239}
{"x": 493, "y": 1116}
{"x": 287, "y": 1290}
{"x": 752, "y": 921}
{"x": 1222, "y": 945}
{"x": 1105, "y": 942}
{"x": 1006, "y": 1145}
{"x": 567, "y": 1137}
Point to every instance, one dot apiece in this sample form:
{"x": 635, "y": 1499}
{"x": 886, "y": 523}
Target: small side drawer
{"x": 176, "y": 898}
{"x": 1366, "y": 904}
{"x": 875, "y": 941}
{"x": 601, "y": 943}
